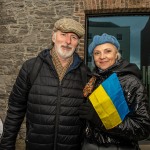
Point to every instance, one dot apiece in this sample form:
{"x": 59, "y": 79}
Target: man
{"x": 51, "y": 102}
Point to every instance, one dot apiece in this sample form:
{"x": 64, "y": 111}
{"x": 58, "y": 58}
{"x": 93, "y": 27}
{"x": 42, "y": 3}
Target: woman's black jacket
{"x": 136, "y": 125}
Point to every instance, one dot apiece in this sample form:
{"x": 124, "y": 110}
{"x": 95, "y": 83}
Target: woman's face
{"x": 105, "y": 55}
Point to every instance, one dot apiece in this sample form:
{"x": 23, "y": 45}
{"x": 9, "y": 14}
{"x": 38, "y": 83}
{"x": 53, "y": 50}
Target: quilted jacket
{"x": 50, "y": 107}
{"x": 136, "y": 125}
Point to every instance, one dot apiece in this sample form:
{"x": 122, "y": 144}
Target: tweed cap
{"x": 104, "y": 38}
{"x": 69, "y": 25}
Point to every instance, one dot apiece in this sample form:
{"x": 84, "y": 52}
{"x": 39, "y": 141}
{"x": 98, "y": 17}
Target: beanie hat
{"x": 69, "y": 25}
{"x": 104, "y": 38}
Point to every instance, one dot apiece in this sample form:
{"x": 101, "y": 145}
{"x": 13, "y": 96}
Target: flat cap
{"x": 69, "y": 25}
{"x": 104, "y": 38}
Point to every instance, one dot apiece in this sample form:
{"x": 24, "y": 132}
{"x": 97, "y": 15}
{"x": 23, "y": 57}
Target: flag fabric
{"x": 109, "y": 102}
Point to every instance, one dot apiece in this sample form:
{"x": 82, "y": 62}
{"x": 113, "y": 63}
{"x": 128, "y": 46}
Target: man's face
{"x": 65, "y": 43}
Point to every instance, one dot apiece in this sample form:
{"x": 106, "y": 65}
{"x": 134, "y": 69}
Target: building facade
{"x": 26, "y": 26}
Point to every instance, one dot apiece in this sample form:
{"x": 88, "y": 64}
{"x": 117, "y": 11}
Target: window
{"x": 119, "y": 37}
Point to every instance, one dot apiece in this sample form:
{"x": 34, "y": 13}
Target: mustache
{"x": 67, "y": 46}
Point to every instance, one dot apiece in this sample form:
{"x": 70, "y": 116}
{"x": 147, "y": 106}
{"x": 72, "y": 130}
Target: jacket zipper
{"x": 57, "y": 110}
{"x": 57, "y": 116}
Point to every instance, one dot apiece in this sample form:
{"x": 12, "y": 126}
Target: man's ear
{"x": 53, "y": 36}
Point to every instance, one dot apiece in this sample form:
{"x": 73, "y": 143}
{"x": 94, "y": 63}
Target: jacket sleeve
{"x": 16, "y": 110}
{"x": 136, "y": 125}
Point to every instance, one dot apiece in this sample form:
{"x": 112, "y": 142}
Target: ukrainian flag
{"x": 109, "y": 102}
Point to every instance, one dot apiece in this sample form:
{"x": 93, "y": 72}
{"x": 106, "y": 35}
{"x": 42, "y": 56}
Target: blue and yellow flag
{"x": 109, "y": 102}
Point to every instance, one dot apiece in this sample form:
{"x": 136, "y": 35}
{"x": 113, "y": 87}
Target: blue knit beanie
{"x": 104, "y": 38}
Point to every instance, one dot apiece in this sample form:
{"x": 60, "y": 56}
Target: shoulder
{"x": 30, "y": 61}
{"x": 132, "y": 85}
{"x": 28, "y": 64}
{"x": 133, "y": 88}
{"x": 130, "y": 80}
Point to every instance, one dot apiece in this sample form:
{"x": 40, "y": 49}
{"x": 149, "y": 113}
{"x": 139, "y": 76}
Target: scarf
{"x": 58, "y": 66}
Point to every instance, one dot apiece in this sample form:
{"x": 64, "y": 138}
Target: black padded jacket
{"x": 50, "y": 107}
{"x": 136, "y": 125}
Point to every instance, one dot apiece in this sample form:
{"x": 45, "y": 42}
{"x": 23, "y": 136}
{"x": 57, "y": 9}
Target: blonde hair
{"x": 118, "y": 55}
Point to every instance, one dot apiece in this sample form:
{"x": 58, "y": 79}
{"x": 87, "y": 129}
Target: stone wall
{"x": 25, "y": 29}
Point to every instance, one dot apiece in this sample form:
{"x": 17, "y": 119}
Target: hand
{"x": 87, "y": 111}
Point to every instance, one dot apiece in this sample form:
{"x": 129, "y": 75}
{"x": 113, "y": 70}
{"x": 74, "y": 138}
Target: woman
{"x": 116, "y": 109}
